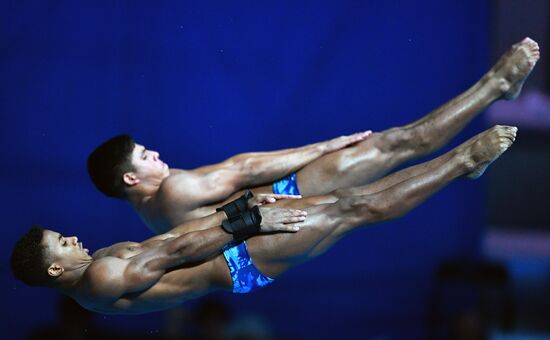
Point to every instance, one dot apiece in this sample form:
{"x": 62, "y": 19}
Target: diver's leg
{"x": 332, "y": 216}
{"x": 381, "y": 152}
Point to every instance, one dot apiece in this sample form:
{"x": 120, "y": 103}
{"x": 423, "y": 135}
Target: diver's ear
{"x": 55, "y": 270}
{"x": 130, "y": 178}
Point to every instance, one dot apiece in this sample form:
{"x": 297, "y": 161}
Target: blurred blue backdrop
{"x": 201, "y": 81}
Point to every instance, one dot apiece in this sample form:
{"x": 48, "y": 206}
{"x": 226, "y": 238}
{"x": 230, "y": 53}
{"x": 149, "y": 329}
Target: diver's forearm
{"x": 263, "y": 167}
{"x": 195, "y": 246}
{"x": 198, "y": 224}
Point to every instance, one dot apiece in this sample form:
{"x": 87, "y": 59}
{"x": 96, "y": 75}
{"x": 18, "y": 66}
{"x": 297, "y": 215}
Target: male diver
{"x": 165, "y": 197}
{"x": 226, "y": 250}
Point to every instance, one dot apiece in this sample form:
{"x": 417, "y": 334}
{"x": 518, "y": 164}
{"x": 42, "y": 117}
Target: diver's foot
{"x": 480, "y": 151}
{"x": 510, "y": 72}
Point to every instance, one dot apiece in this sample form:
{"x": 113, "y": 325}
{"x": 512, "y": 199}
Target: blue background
{"x": 201, "y": 81}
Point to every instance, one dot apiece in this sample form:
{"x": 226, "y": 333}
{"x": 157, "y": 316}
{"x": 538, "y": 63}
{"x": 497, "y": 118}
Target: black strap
{"x": 234, "y": 208}
{"x": 244, "y": 225}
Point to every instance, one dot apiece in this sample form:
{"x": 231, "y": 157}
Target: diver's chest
{"x": 126, "y": 250}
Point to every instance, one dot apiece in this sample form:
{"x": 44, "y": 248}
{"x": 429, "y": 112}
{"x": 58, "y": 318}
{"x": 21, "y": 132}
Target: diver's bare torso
{"x": 174, "y": 287}
{"x": 176, "y": 202}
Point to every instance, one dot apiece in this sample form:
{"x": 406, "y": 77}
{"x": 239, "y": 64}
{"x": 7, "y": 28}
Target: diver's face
{"x": 64, "y": 250}
{"x": 147, "y": 164}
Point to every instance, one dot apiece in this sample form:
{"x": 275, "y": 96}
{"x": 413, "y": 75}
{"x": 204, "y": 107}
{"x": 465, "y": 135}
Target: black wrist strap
{"x": 234, "y": 208}
{"x": 244, "y": 225}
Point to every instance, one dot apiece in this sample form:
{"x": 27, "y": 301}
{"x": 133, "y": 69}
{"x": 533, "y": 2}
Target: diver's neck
{"x": 139, "y": 197}
{"x": 69, "y": 280}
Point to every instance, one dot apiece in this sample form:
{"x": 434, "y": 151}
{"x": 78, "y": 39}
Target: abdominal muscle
{"x": 179, "y": 285}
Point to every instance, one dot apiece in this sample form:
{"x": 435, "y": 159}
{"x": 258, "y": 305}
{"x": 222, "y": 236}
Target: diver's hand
{"x": 279, "y": 219}
{"x": 344, "y": 141}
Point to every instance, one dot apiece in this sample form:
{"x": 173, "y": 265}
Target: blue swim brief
{"x": 245, "y": 276}
{"x": 286, "y": 185}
